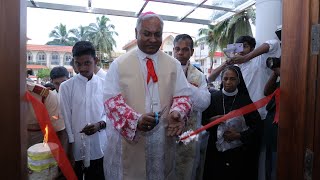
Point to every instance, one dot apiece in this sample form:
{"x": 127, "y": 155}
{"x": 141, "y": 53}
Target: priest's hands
{"x": 90, "y": 129}
{"x": 175, "y": 123}
{"x": 146, "y": 122}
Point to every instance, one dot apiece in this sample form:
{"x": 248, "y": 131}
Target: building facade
{"x": 48, "y": 56}
{"x": 207, "y": 61}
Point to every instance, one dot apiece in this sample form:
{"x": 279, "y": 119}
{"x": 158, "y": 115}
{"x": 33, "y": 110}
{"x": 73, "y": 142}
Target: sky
{"x": 40, "y": 22}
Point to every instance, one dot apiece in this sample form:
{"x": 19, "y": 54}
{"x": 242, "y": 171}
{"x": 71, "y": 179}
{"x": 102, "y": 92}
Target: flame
{"x": 45, "y": 138}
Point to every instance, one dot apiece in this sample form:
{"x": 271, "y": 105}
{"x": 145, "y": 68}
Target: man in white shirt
{"x": 147, "y": 101}
{"x": 97, "y": 70}
{"x": 188, "y": 157}
{"x": 81, "y": 101}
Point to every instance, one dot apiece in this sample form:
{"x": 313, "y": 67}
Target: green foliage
{"x": 100, "y": 34}
{"x": 80, "y": 34}
{"x": 60, "y": 36}
{"x": 43, "y": 73}
{"x": 226, "y": 32}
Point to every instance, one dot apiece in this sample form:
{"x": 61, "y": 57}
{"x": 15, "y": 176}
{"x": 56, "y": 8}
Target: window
{"x": 214, "y": 60}
{"x": 67, "y": 59}
{"x": 201, "y": 46}
{"x": 29, "y": 57}
{"x": 201, "y": 62}
{"x": 55, "y": 59}
{"x": 41, "y": 58}
{"x": 168, "y": 52}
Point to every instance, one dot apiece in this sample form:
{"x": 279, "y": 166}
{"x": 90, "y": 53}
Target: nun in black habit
{"x": 232, "y": 151}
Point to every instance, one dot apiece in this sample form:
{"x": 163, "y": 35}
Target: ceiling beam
{"x": 239, "y": 9}
{"x": 110, "y": 12}
{"x": 193, "y": 4}
{"x": 142, "y": 8}
{"x": 192, "y": 10}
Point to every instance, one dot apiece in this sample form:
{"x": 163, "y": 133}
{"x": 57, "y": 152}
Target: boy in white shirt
{"x": 81, "y": 101}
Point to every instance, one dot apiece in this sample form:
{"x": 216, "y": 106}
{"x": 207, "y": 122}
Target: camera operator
{"x": 270, "y": 128}
{"x": 274, "y": 64}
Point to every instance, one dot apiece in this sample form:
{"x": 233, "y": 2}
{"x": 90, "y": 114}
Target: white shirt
{"x": 152, "y": 92}
{"x": 81, "y": 103}
{"x": 101, "y": 73}
{"x": 256, "y": 73}
{"x": 201, "y": 96}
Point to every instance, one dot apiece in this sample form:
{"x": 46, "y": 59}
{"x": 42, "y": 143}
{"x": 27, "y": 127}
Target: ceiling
{"x": 205, "y": 12}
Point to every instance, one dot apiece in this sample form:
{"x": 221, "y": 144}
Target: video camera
{"x": 273, "y": 62}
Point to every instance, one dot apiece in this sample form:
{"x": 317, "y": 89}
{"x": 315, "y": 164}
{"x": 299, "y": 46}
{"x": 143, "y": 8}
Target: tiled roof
{"x": 131, "y": 43}
{"x": 33, "y": 66}
{"x": 34, "y": 47}
{"x": 218, "y": 54}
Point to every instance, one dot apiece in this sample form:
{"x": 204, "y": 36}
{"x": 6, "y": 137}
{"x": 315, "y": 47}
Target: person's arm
{"x": 216, "y": 72}
{"x": 122, "y": 116}
{"x": 181, "y": 105}
{"x": 271, "y": 47}
{"x": 248, "y": 136}
{"x": 65, "y": 109}
{"x": 238, "y": 59}
{"x": 200, "y": 97}
{"x": 271, "y": 85}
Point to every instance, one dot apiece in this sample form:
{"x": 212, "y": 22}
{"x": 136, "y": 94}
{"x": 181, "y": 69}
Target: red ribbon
{"x": 44, "y": 120}
{"x": 244, "y": 110}
{"x": 151, "y": 71}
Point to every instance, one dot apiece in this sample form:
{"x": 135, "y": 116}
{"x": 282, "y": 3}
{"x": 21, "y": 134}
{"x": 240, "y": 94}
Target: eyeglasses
{"x": 185, "y": 49}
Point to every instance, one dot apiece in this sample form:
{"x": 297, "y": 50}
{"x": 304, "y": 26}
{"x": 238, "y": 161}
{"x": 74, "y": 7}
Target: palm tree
{"x": 80, "y": 34}
{"x": 60, "y": 35}
{"x": 101, "y": 34}
{"x": 226, "y": 32}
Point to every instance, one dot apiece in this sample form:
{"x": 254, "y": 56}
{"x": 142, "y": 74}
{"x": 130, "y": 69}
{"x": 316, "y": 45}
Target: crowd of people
{"x": 124, "y": 124}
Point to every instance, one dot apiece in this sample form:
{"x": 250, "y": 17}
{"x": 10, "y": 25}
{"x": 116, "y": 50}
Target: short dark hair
{"x": 183, "y": 37}
{"x": 83, "y": 48}
{"x": 30, "y": 72}
{"x": 50, "y": 85}
{"x": 248, "y": 39}
{"x": 58, "y": 72}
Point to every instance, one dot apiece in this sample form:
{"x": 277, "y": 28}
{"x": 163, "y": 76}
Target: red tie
{"x": 151, "y": 72}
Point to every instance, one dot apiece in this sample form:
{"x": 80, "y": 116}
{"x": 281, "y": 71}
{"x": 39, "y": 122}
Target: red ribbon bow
{"x": 151, "y": 72}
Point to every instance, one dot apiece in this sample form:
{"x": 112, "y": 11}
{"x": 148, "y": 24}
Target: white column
{"x": 268, "y": 17}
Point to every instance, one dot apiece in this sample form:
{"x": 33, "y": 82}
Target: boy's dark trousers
{"x": 93, "y": 172}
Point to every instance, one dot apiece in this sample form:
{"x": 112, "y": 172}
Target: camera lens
{"x": 273, "y": 62}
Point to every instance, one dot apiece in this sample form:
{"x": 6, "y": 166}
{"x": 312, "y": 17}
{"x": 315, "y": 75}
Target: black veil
{"x": 242, "y": 88}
